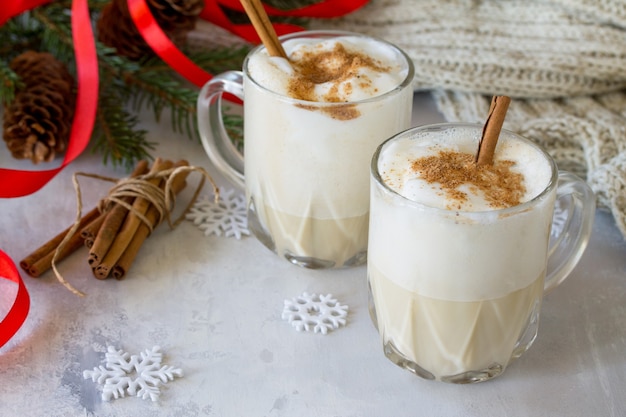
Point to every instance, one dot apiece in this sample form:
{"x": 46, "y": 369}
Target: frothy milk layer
{"x": 342, "y": 69}
{"x": 397, "y": 168}
{"x": 454, "y": 254}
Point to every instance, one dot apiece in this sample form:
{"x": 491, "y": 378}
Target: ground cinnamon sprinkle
{"x": 500, "y": 186}
{"x": 334, "y": 66}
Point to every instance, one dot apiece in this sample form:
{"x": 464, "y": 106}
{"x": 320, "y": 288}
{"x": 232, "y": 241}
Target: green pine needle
{"x": 116, "y": 136}
{"x": 9, "y": 84}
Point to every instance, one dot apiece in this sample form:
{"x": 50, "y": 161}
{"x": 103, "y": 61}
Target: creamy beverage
{"x": 311, "y": 126}
{"x": 457, "y": 253}
{"x": 449, "y": 339}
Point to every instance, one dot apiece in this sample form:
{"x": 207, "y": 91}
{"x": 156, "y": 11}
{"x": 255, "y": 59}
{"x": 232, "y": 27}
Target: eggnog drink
{"x": 311, "y": 126}
{"x": 457, "y": 253}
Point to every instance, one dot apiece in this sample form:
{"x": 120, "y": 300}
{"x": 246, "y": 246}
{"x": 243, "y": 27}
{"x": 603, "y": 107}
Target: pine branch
{"x": 17, "y": 35}
{"x": 56, "y": 30}
{"x": 154, "y": 86}
{"x": 10, "y": 83}
{"x": 219, "y": 60}
{"x": 117, "y": 137}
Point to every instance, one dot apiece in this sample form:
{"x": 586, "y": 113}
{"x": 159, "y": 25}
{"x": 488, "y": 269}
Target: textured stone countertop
{"x": 213, "y": 304}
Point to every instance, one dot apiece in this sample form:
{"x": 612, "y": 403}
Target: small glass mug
{"x": 306, "y": 167}
{"x": 456, "y": 295}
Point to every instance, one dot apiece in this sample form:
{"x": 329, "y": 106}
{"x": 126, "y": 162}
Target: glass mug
{"x": 456, "y": 295}
{"x": 306, "y": 163}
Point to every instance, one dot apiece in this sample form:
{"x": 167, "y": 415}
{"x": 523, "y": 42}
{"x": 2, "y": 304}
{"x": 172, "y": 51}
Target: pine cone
{"x": 37, "y": 122}
{"x": 175, "y": 17}
{"x": 117, "y": 30}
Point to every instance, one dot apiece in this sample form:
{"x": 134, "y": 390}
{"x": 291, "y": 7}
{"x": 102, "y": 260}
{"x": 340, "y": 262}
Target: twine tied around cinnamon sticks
{"x": 115, "y": 229}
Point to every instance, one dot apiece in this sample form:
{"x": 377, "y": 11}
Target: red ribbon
{"x": 13, "y": 8}
{"x": 163, "y": 46}
{"x": 19, "y": 310}
{"x": 17, "y": 183}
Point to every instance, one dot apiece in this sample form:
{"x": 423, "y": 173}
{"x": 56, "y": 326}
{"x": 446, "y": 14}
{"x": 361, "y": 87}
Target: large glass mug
{"x": 306, "y": 163}
{"x": 456, "y": 295}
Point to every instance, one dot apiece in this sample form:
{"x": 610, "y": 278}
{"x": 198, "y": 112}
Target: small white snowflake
{"x": 317, "y": 313}
{"x": 226, "y": 217}
{"x": 140, "y": 376}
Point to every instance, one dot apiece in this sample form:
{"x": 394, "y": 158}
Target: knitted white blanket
{"x": 562, "y": 61}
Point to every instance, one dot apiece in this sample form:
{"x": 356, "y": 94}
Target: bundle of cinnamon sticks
{"x": 115, "y": 230}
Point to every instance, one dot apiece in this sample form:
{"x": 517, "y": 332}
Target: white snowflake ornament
{"x": 226, "y": 217}
{"x": 317, "y": 313}
{"x": 136, "y": 375}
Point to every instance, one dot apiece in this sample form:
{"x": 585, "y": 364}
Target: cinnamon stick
{"x": 114, "y": 218}
{"x": 143, "y": 231}
{"x": 109, "y": 228}
{"x": 129, "y": 227}
{"x": 261, "y": 22}
{"x": 89, "y": 233}
{"x": 40, "y": 260}
{"x": 491, "y": 129}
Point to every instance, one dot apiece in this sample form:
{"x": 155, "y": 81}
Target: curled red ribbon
{"x": 19, "y": 310}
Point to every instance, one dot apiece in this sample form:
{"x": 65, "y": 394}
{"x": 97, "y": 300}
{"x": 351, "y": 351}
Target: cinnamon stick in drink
{"x": 491, "y": 129}
{"x": 143, "y": 231}
{"x": 263, "y": 27}
{"x": 123, "y": 237}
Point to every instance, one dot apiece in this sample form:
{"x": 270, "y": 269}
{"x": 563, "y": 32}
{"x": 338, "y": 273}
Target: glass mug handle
{"x": 215, "y": 140}
{"x": 571, "y": 227}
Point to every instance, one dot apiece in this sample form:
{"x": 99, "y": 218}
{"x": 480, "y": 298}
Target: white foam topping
{"x": 275, "y": 73}
{"x": 397, "y": 157}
